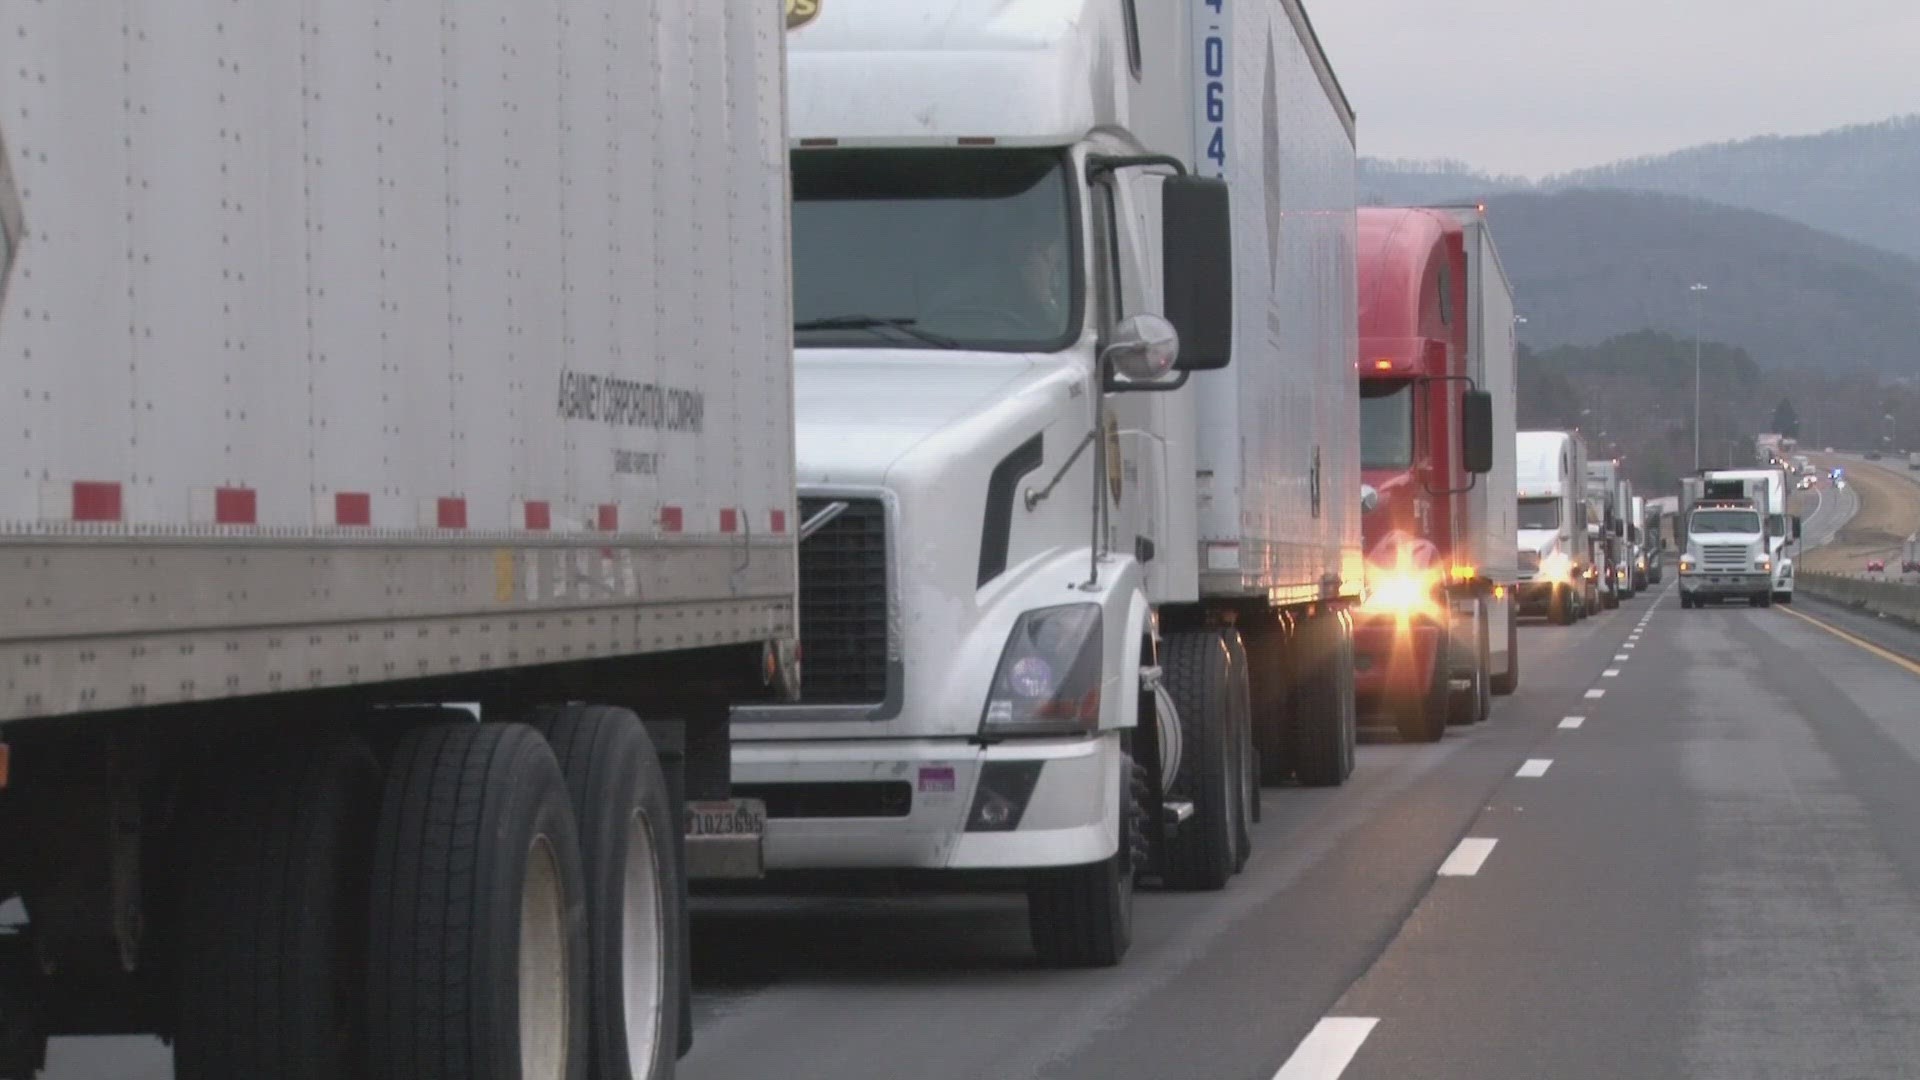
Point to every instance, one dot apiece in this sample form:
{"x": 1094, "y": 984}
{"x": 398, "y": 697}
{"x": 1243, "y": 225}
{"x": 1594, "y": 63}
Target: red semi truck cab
{"x": 1431, "y": 494}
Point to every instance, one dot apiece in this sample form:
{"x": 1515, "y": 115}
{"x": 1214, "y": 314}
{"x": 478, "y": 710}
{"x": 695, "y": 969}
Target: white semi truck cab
{"x": 1077, "y": 460}
{"x": 1769, "y": 489}
{"x": 1725, "y": 551}
{"x": 1553, "y": 547}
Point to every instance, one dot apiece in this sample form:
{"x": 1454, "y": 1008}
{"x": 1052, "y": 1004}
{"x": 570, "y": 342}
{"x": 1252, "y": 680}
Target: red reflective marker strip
{"x": 729, "y": 520}
{"x": 539, "y": 516}
{"x": 235, "y": 506}
{"x": 670, "y": 519}
{"x": 609, "y": 517}
{"x": 95, "y": 500}
{"x": 778, "y": 520}
{"x": 352, "y": 508}
{"x": 453, "y": 513}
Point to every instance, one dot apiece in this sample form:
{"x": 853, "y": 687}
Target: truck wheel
{"x": 1246, "y": 795}
{"x": 634, "y": 911}
{"x": 1509, "y": 680}
{"x": 1199, "y": 673}
{"x": 477, "y": 966}
{"x": 1765, "y": 599}
{"x": 1560, "y": 606}
{"x": 1275, "y": 694}
{"x": 1685, "y": 601}
{"x": 1470, "y": 706}
{"x": 271, "y": 899}
{"x": 1322, "y": 735}
{"x": 1420, "y": 713}
{"x": 1082, "y": 916}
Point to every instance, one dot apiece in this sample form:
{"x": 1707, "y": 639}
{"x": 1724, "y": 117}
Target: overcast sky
{"x": 1542, "y": 86}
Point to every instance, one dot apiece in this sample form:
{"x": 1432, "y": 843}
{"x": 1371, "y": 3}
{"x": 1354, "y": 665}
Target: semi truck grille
{"x": 1723, "y": 557}
{"x": 1530, "y": 561}
{"x": 843, "y": 604}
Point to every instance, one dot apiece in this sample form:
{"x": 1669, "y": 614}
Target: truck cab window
{"x": 1386, "y": 423}
{"x": 1539, "y": 513}
{"x": 1724, "y": 521}
{"x": 934, "y": 248}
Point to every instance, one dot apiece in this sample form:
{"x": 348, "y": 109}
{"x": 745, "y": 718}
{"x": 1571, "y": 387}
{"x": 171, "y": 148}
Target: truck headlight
{"x": 1763, "y": 563}
{"x": 1557, "y": 568}
{"x": 1048, "y": 682}
{"x": 1686, "y": 562}
{"x": 1402, "y": 594}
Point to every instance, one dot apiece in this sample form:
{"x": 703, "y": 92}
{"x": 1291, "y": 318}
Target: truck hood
{"x": 1541, "y": 541}
{"x": 859, "y": 411}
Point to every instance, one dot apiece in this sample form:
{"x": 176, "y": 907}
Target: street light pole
{"x": 1696, "y": 289}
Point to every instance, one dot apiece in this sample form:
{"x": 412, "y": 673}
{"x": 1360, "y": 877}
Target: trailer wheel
{"x": 1275, "y": 695}
{"x": 1470, "y": 706}
{"x": 1199, "y": 673}
{"x": 1509, "y": 680}
{"x": 1246, "y": 777}
{"x": 1420, "y": 713}
{"x": 477, "y": 966}
{"x": 271, "y": 900}
{"x": 1323, "y": 727}
{"x": 634, "y": 912}
{"x": 1082, "y": 916}
{"x": 1560, "y": 606}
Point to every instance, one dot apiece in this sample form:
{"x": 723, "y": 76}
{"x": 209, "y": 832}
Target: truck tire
{"x": 1765, "y": 599}
{"x": 1323, "y": 728}
{"x": 634, "y": 888}
{"x": 1610, "y": 598}
{"x": 1783, "y": 598}
{"x": 477, "y": 961}
{"x": 1275, "y": 694}
{"x": 1470, "y": 706}
{"x": 271, "y": 900}
{"x": 1509, "y": 680}
{"x": 1199, "y": 673}
{"x": 1420, "y": 714}
{"x": 1246, "y": 797}
{"x": 1082, "y": 916}
{"x": 1560, "y": 606}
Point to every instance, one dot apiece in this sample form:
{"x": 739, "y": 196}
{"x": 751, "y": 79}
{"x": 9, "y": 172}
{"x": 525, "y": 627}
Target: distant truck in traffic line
{"x": 1436, "y": 637}
{"x": 1080, "y": 526}
{"x": 1554, "y": 553}
{"x": 1769, "y": 489}
{"x": 1736, "y": 534}
{"x": 394, "y": 367}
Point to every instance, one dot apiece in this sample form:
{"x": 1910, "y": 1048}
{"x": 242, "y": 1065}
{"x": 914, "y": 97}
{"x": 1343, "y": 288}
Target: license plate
{"x": 727, "y": 817}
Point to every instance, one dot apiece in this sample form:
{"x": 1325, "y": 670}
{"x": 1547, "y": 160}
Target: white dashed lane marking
{"x": 1328, "y": 1049}
{"x": 1573, "y": 721}
{"x": 1535, "y": 767}
{"x": 1593, "y": 695}
{"x": 1467, "y": 857}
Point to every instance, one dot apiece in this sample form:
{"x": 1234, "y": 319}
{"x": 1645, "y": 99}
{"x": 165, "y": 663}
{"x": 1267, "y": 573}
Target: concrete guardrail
{"x": 1882, "y": 597}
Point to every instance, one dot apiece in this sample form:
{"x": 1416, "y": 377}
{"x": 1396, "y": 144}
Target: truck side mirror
{"x": 1476, "y": 431}
{"x": 1196, "y": 245}
{"x": 1796, "y": 526}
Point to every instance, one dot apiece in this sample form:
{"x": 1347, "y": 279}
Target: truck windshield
{"x": 1725, "y": 521}
{"x": 1386, "y": 423}
{"x": 1777, "y": 525}
{"x": 934, "y": 249}
{"x": 1539, "y": 513}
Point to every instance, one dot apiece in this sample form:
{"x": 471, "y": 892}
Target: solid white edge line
{"x": 1328, "y": 1049}
{"x": 1467, "y": 857}
{"x": 1572, "y": 721}
{"x": 1535, "y": 767}
{"x": 1595, "y": 694}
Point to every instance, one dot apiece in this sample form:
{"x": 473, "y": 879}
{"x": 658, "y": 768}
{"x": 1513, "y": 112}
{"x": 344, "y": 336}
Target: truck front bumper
{"x": 1533, "y": 596}
{"x": 1389, "y": 655}
{"x": 1702, "y": 583}
{"x": 921, "y": 803}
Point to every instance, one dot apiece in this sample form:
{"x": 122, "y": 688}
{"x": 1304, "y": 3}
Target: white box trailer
{"x": 1492, "y": 504}
{"x": 1033, "y": 534}
{"x": 363, "y": 357}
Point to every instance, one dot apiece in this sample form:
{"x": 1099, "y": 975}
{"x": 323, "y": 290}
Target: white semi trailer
{"x": 1076, "y": 321}
{"x": 363, "y": 357}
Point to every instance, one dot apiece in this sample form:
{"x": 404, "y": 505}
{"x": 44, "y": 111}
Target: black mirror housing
{"x": 1196, "y": 247}
{"x": 1796, "y": 526}
{"x": 1476, "y": 431}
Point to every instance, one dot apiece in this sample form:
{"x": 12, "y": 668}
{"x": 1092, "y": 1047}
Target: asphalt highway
{"x": 1685, "y": 848}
